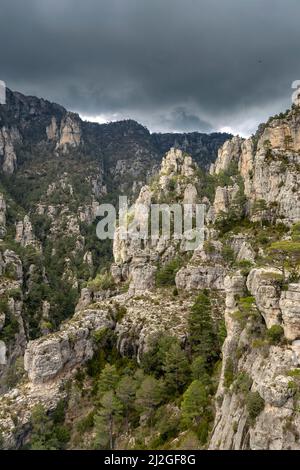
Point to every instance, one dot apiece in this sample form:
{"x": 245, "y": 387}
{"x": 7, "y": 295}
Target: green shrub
{"x": 243, "y": 383}
{"x": 296, "y": 232}
{"x": 245, "y": 266}
{"x": 165, "y": 276}
{"x": 16, "y": 293}
{"x": 101, "y": 282}
{"x": 209, "y": 247}
{"x": 199, "y": 370}
{"x": 294, "y": 373}
{"x": 86, "y": 423}
{"x": 10, "y": 271}
{"x": 11, "y": 325}
{"x": 275, "y": 334}
{"x": 120, "y": 312}
{"x": 255, "y": 404}
{"x": 228, "y": 373}
{"x": 228, "y": 254}
{"x": 4, "y": 308}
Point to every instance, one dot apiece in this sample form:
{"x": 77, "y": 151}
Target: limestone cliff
{"x": 244, "y": 272}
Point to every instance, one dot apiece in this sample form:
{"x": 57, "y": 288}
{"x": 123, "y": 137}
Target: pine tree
{"x": 194, "y": 404}
{"x": 41, "y": 436}
{"x": 48, "y": 433}
{"x": 107, "y": 418}
{"x": 108, "y": 379}
{"x": 176, "y": 368}
{"x": 202, "y": 337}
{"x": 153, "y": 359}
{"x": 199, "y": 370}
{"x": 126, "y": 392}
{"x": 149, "y": 396}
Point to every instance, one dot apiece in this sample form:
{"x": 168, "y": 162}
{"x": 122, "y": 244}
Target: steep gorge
{"x": 246, "y": 273}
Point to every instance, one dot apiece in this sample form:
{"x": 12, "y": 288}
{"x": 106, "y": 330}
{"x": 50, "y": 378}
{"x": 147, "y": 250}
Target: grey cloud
{"x": 181, "y": 65}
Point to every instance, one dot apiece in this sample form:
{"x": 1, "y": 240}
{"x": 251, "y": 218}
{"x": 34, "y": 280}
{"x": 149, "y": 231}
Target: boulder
{"x": 49, "y": 355}
{"x": 262, "y": 283}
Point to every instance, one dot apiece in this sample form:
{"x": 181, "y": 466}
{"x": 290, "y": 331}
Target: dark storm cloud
{"x": 172, "y": 64}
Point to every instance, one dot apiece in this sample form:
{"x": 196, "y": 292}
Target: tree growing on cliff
{"x": 149, "y": 396}
{"x": 107, "y": 420}
{"x": 108, "y": 379}
{"x": 126, "y": 392}
{"x": 195, "y": 410}
{"x": 47, "y": 433}
{"x": 176, "y": 368}
{"x": 259, "y": 209}
{"x": 286, "y": 253}
{"x": 202, "y": 337}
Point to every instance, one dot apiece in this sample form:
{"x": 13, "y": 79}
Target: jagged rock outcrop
{"x": 289, "y": 304}
{"x": 229, "y": 153}
{"x": 269, "y": 167}
{"x": 133, "y": 255}
{"x": 264, "y": 368}
{"x": 3, "y": 358}
{"x": 17, "y": 405}
{"x": 2, "y": 216}
{"x": 263, "y": 285}
{"x": 51, "y": 360}
{"x": 8, "y": 139}
{"x": 142, "y": 278}
{"x": 258, "y": 361}
{"x": 242, "y": 248}
{"x": 70, "y": 132}
{"x": 224, "y": 197}
{"x": 200, "y": 277}
{"x": 11, "y": 267}
{"x": 271, "y": 429}
{"x": 24, "y": 233}
{"x": 46, "y": 357}
{"x": 282, "y": 133}
{"x": 177, "y": 163}
{"x": 206, "y": 270}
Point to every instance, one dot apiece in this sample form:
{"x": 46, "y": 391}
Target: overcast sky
{"x": 173, "y": 65}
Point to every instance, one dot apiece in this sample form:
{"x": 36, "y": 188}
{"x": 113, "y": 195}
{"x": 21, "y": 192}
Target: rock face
{"x": 270, "y": 430}
{"x": 51, "y": 360}
{"x": 229, "y": 153}
{"x": 11, "y": 266}
{"x": 24, "y": 233}
{"x": 263, "y": 285}
{"x": 266, "y": 368}
{"x": 8, "y": 138}
{"x": 282, "y": 133}
{"x": 70, "y": 132}
{"x": 269, "y": 168}
{"x": 204, "y": 271}
{"x": 290, "y": 307}
{"x": 135, "y": 258}
{"x": 132, "y": 153}
{"x": 177, "y": 163}
{"x": 46, "y": 357}
{"x": 142, "y": 278}
{"x": 200, "y": 277}
{"x": 3, "y": 359}
{"x": 17, "y": 406}
{"x": 12, "y": 341}
{"x": 2, "y": 216}
{"x": 224, "y": 197}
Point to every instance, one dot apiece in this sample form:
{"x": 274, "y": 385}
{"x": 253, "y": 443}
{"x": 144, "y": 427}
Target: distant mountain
{"x": 33, "y": 130}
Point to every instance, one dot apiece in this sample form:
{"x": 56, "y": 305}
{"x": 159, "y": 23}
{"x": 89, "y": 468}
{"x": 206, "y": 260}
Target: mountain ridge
{"x": 178, "y": 348}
